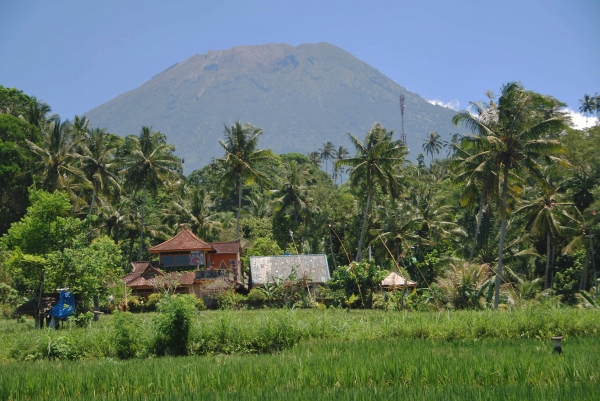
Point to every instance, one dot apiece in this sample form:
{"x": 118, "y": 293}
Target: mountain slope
{"x": 300, "y": 96}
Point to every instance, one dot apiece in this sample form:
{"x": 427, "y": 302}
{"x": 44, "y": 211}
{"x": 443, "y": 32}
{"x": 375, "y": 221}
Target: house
{"x": 268, "y": 269}
{"x": 395, "y": 281}
{"x": 188, "y": 264}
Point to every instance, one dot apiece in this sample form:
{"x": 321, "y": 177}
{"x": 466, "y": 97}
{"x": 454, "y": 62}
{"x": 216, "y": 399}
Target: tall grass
{"x": 503, "y": 369}
{"x": 262, "y": 331}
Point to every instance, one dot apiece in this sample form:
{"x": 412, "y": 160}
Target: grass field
{"x": 378, "y": 369}
{"x": 314, "y": 354}
{"x": 260, "y": 331}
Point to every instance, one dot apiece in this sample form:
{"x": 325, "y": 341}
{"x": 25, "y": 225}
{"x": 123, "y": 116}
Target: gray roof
{"x": 265, "y": 269}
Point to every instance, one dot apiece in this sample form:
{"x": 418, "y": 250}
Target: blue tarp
{"x": 65, "y": 306}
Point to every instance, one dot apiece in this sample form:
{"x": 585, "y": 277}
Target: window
{"x": 175, "y": 260}
{"x": 232, "y": 261}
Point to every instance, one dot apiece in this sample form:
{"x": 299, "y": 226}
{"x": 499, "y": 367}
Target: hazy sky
{"x": 76, "y": 55}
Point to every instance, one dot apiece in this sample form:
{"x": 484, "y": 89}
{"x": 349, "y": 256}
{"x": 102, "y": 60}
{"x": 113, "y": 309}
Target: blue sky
{"x": 76, "y": 55}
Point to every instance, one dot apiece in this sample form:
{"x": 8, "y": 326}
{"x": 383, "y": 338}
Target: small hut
{"x": 395, "y": 281}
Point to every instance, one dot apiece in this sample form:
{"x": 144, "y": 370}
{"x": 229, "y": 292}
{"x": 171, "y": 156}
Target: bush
{"x": 124, "y": 336}
{"x": 230, "y": 300}
{"x": 256, "y": 297}
{"x": 154, "y": 299}
{"x": 174, "y": 322}
{"x": 200, "y": 306}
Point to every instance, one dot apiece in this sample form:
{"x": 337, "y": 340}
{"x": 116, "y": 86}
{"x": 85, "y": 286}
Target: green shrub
{"x": 154, "y": 299}
{"x": 256, "y": 297}
{"x": 230, "y": 300}
{"x": 124, "y": 336}
{"x": 200, "y": 304}
{"x": 62, "y": 347}
{"x": 173, "y": 324}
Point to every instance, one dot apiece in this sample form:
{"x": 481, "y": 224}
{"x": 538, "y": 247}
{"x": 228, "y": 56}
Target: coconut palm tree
{"x": 149, "y": 165}
{"x": 433, "y": 144}
{"x": 315, "y": 159}
{"x": 516, "y": 133}
{"x": 294, "y": 192}
{"x": 241, "y": 161}
{"x": 341, "y": 154}
{"x": 374, "y": 165}
{"x": 56, "y": 161}
{"x": 327, "y": 153}
{"x": 546, "y": 214}
{"x": 98, "y": 159}
{"x": 588, "y": 106}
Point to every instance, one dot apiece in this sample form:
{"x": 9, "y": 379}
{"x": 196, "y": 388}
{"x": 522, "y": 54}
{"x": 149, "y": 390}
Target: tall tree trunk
{"x": 584, "y": 273}
{"x": 142, "y": 225}
{"x": 131, "y": 241}
{"x": 553, "y": 248}
{"x": 594, "y": 266}
{"x": 39, "y": 317}
{"x": 239, "y": 194}
{"x": 331, "y": 250}
{"x": 93, "y": 197}
{"x": 502, "y": 234}
{"x": 479, "y": 217}
{"x": 96, "y": 308}
{"x": 364, "y": 225}
{"x": 547, "y": 275}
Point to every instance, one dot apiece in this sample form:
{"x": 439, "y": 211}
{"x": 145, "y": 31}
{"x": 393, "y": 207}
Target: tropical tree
{"x": 149, "y": 166}
{"x": 341, "y": 154}
{"x": 588, "y": 106}
{"x": 56, "y": 161}
{"x": 98, "y": 161}
{"x": 294, "y": 192}
{"x": 315, "y": 158}
{"x": 241, "y": 161}
{"x": 433, "y": 144}
{"x": 516, "y": 132}
{"x": 374, "y": 165}
{"x": 546, "y": 215}
{"x": 327, "y": 153}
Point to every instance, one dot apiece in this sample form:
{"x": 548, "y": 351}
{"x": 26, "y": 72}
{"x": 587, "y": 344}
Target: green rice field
{"x": 377, "y": 369}
{"x": 314, "y": 354}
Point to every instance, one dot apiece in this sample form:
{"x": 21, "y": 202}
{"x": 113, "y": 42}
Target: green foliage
{"x": 358, "y": 279}
{"x": 174, "y": 322}
{"x": 125, "y": 337}
{"x": 89, "y": 270}
{"x": 256, "y": 297}
{"x": 230, "y": 300}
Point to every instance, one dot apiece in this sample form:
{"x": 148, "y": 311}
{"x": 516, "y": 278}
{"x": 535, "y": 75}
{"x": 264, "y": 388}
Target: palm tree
{"x": 150, "y": 165}
{"x": 315, "y": 159}
{"x": 327, "y": 153}
{"x": 241, "y": 161}
{"x": 98, "y": 161}
{"x": 544, "y": 214}
{"x": 588, "y": 106}
{"x": 294, "y": 191}
{"x": 516, "y": 134}
{"x": 56, "y": 161}
{"x": 35, "y": 112}
{"x": 433, "y": 144}
{"x": 374, "y": 165}
{"x": 192, "y": 207}
{"x": 341, "y": 154}
{"x": 479, "y": 175}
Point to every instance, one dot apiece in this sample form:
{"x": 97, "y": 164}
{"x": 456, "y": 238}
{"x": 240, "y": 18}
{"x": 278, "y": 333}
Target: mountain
{"x": 300, "y": 96}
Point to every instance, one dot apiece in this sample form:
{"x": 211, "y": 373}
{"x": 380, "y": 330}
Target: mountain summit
{"x": 300, "y": 96}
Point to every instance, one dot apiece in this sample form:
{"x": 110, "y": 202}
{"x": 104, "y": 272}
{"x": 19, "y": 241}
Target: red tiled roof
{"x": 226, "y": 247}
{"x": 185, "y": 240}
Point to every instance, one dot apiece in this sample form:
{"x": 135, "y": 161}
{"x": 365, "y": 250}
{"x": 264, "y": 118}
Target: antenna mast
{"x": 403, "y": 137}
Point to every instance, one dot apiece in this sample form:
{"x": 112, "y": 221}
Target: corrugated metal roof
{"x": 265, "y": 269}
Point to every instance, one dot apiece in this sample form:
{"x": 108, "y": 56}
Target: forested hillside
{"x": 511, "y": 208}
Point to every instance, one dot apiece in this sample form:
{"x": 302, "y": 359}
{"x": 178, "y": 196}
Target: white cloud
{"x": 580, "y": 121}
{"x": 452, "y": 104}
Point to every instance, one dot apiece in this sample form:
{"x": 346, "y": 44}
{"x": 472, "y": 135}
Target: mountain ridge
{"x": 301, "y": 96}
